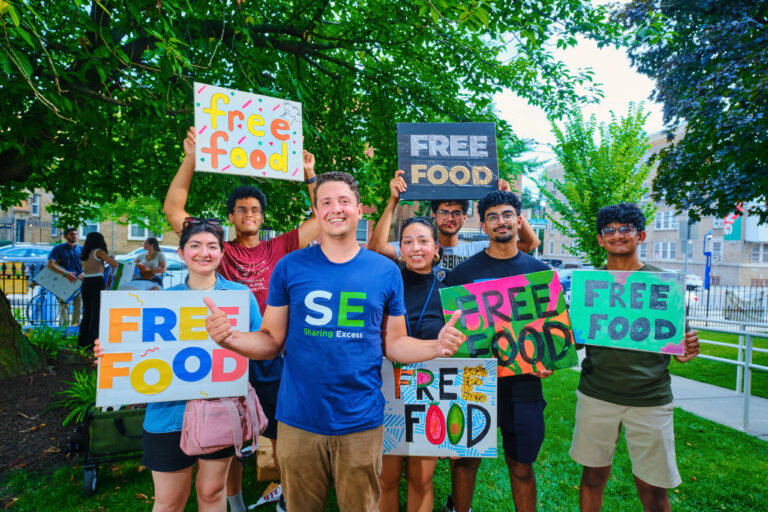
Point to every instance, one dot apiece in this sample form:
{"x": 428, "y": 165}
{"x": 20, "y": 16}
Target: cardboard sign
{"x": 447, "y": 160}
{"x": 120, "y": 276}
{"x": 521, "y": 320}
{"x": 57, "y": 284}
{"x": 243, "y": 133}
{"x": 156, "y": 348}
{"x": 442, "y": 407}
{"x": 634, "y": 310}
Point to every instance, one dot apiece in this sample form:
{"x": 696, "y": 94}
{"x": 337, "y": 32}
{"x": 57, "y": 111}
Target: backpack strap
{"x": 235, "y": 419}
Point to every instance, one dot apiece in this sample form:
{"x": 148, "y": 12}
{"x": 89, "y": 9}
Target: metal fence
{"x": 744, "y": 349}
{"x": 33, "y": 305}
{"x": 731, "y": 303}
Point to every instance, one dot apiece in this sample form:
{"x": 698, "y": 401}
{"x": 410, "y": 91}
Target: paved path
{"x": 721, "y": 405}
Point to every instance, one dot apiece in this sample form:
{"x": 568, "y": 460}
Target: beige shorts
{"x": 649, "y": 432}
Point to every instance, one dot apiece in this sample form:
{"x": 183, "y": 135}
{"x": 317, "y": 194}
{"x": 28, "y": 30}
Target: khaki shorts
{"x": 649, "y": 432}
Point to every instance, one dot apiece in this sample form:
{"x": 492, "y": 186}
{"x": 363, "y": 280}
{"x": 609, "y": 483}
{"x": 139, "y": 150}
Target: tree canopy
{"x": 596, "y": 174}
{"x": 96, "y": 95}
{"x": 710, "y": 62}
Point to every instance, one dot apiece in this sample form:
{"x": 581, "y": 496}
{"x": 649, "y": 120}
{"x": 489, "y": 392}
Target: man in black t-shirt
{"x": 520, "y": 400}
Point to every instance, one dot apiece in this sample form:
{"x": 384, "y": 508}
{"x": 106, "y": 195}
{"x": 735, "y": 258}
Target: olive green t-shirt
{"x": 626, "y": 377}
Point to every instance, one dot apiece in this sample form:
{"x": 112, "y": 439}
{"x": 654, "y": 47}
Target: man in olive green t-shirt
{"x": 626, "y": 388}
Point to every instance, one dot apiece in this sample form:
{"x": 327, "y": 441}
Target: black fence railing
{"x": 33, "y": 305}
{"x": 736, "y": 303}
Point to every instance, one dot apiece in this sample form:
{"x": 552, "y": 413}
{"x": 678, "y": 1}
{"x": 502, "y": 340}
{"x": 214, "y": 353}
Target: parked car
{"x": 33, "y": 256}
{"x": 552, "y": 262}
{"x": 176, "y": 269}
{"x": 693, "y": 282}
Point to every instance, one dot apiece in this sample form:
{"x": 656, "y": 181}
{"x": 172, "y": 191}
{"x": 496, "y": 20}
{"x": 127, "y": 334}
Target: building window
{"x": 136, "y": 232}
{"x": 665, "y": 250}
{"x": 562, "y": 248}
{"x": 666, "y": 220}
{"x": 91, "y": 226}
{"x": 551, "y": 247}
{"x": 717, "y": 223}
{"x": 690, "y": 249}
{"x": 643, "y": 250}
{"x": 362, "y": 230}
{"x": 470, "y": 208}
{"x": 36, "y": 205}
{"x": 759, "y": 253}
{"x": 717, "y": 251}
{"x": 54, "y": 229}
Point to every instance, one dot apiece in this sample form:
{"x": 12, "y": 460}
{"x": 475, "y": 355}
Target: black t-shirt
{"x": 481, "y": 267}
{"x": 415, "y": 289}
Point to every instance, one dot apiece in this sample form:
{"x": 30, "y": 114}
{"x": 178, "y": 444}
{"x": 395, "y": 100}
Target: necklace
{"x": 211, "y": 287}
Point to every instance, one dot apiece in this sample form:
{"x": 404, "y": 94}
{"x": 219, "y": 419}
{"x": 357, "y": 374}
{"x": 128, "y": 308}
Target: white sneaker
{"x": 281, "y": 504}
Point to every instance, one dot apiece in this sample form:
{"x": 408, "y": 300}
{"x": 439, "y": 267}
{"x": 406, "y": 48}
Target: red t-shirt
{"x": 253, "y": 266}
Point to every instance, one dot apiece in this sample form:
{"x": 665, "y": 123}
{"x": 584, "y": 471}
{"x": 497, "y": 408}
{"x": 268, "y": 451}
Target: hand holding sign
{"x": 691, "y": 342}
{"x": 189, "y": 142}
{"x": 450, "y": 339}
{"x": 217, "y": 324}
{"x": 397, "y": 185}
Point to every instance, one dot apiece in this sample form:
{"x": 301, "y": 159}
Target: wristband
{"x": 311, "y": 180}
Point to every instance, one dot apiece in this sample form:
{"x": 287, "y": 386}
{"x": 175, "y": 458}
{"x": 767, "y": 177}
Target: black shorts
{"x": 522, "y": 429}
{"x": 162, "y": 452}
{"x": 267, "y": 394}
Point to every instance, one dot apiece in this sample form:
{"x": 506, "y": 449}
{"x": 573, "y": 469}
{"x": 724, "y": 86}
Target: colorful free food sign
{"x": 635, "y": 310}
{"x": 443, "y": 407}
{"x": 156, "y": 347}
{"x": 243, "y": 133}
{"x": 447, "y": 160}
{"x": 521, "y": 320}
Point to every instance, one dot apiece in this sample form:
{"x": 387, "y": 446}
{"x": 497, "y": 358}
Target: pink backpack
{"x": 213, "y": 424}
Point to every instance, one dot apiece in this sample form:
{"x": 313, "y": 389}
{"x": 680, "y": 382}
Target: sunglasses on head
{"x": 191, "y": 221}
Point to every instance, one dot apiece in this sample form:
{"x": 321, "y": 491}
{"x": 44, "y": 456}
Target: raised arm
{"x": 176, "y": 198}
{"x": 527, "y": 239}
{"x": 266, "y": 343}
{"x": 400, "y": 347}
{"x": 309, "y": 229}
{"x": 378, "y": 241}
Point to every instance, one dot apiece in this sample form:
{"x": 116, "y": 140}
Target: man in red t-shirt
{"x": 249, "y": 261}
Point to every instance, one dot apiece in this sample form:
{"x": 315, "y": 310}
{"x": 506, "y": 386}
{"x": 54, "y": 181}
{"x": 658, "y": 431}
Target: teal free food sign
{"x": 634, "y": 310}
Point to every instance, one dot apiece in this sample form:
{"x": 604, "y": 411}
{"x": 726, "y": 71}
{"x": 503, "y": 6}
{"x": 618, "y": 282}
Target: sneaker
{"x": 281, "y": 504}
{"x": 448, "y": 506}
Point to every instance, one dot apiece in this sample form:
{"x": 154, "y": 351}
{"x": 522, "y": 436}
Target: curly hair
{"x": 463, "y": 203}
{"x": 244, "y": 192}
{"x": 343, "y": 177}
{"x": 496, "y": 198}
{"x": 623, "y": 213}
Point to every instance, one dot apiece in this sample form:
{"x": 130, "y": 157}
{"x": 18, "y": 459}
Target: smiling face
{"x": 247, "y": 216}
{"x": 337, "y": 209}
{"x": 501, "y": 223}
{"x": 418, "y": 248}
{"x": 202, "y": 253}
{"x": 617, "y": 244}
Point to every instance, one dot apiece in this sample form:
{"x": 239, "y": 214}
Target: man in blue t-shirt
{"x": 64, "y": 259}
{"x": 330, "y": 306}
{"x": 521, "y": 403}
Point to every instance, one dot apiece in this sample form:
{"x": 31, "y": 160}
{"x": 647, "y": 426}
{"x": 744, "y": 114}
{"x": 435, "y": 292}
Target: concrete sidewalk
{"x": 721, "y": 405}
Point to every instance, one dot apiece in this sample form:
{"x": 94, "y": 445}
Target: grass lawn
{"x": 722, "y": 469}
{"x": 723, "y": 374}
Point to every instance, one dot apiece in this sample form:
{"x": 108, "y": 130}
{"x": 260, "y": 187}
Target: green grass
{"x": 723, "y": 374}
{"x": 722, "y": 469}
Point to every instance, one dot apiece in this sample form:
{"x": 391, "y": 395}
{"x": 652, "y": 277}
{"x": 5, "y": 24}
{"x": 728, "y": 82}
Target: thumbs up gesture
{"x": 450, "y": 338}
{"x": 217, "y": 324}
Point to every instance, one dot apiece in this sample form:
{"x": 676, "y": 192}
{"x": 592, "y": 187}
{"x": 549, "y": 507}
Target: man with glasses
{"x": 626, "y": 388}
{"x": 520, "y": 400}
{"x": 250, "y": 261}
{"x": 450, "y": 215}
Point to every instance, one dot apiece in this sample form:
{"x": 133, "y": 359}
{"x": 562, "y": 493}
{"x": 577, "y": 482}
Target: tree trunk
{"x": 17, "y": 355}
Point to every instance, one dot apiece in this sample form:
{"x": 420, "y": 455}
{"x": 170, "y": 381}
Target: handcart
{"x": 105, "y": 437}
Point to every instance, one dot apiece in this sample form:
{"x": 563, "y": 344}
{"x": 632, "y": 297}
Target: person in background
{"x": 65, "y": 260}
{"x": 626, "y": 388}
{"x": 93, "y": 257}
{"x": 152, "y": 265}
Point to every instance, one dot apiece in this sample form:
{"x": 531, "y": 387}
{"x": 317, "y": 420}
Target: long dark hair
{"x": 192, "y": 226}
{"x": 153, "y": 242}
{"x": 93, "y": 241}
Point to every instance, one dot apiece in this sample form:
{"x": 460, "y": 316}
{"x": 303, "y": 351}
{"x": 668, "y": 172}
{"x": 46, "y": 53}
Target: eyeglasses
{"x": 493, "y": 218}
{"x": 243, "y": 211}
{"x": 195, "y": 220}
{"x": 622, "y": 230}
{"x": 445, "y": 213}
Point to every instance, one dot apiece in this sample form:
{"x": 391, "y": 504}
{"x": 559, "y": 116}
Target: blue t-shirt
{"x": 162, "y": 417}
{"x": 68, "y": 257}
{"x": 333, "y": 348}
